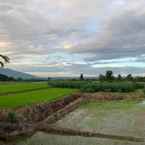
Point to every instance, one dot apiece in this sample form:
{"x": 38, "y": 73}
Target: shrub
{"x": 67, "y": 84}
{"x": 144, "y": 90}
{"x": 12, "y": 117}
{"x": 90, "y": 87}
{"x": 140, "y": 85}
{"x": 93, "y": 86}
{"x": 108, "y": 87}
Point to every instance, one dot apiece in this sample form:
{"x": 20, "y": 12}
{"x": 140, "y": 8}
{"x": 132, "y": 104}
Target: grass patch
{"x": 17, "y": 87}
{"x": 29, "y": 98}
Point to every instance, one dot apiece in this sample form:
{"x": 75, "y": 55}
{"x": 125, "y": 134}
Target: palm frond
{"x": 1, "y": 64}
{"x": 5, "y": 58}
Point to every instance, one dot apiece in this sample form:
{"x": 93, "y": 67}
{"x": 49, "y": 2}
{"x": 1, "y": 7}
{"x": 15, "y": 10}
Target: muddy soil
{"x": 116, "y": 118}
{"x": 46, "y": 139}
{"x": 129, "y": 121}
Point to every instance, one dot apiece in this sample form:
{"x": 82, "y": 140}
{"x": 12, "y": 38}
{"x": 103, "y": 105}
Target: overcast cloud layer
{"x": 67, "y": 37}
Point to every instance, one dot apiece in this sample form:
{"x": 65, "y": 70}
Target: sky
{"x": 67, "y": 37}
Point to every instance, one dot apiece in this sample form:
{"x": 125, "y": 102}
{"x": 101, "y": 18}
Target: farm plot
{"x": 126, "y": 118}
{"x": 8, "y": 88}
{"x": 29, "y": 98}
{"x": 47, "y": 139}
{"x": 120, "y": 118}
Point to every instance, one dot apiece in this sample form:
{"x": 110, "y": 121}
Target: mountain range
{"x": 16, "y": 74}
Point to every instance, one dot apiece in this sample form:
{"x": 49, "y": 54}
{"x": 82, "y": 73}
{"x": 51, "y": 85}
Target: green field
{"x": 15, "y": 98}
{"x": 18, "y": 87}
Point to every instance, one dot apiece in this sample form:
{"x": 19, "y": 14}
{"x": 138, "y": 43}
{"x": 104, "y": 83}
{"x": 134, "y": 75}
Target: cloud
{"x": 73, "y": 36}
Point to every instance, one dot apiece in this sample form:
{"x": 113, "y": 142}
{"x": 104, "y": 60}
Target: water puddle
{"x": 142, "y": 103}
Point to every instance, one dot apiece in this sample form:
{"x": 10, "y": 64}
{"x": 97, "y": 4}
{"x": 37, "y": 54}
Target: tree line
{"x": 109, "y": 76}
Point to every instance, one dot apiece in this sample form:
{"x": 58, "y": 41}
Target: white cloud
{"x": 72, "y": 33}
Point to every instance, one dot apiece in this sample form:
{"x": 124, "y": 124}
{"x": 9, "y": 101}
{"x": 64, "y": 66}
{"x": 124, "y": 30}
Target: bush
{"x": 90, "y": 87}
{"x": 139, "y": 85}
{"x": 67, "y": 84}
{"x": 93, "y": 86}
{"x": 12, "y": 117}
{"x": 108, "y": 87}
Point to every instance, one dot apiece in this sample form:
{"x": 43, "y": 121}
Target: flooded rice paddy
{"x": 126, "y": 118}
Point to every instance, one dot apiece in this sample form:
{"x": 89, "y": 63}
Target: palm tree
{"x": 5, "y": 60}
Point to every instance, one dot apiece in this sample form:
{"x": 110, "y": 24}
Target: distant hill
{"x": 16, "y": 74}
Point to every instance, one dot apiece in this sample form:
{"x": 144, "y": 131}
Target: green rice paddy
{"x": 16, "y": 99}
